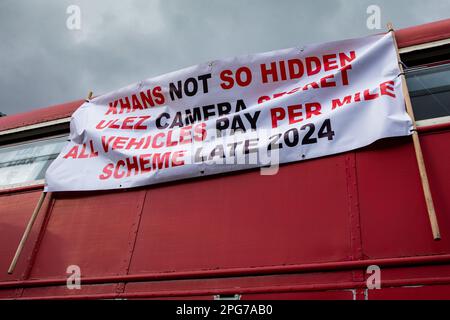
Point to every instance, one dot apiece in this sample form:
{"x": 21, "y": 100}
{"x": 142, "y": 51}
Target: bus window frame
{"x": 31, "y": 183}
{"x": 431, "y": 123}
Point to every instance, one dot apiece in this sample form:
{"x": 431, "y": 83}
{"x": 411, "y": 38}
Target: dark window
{"x": 429, "y": 88}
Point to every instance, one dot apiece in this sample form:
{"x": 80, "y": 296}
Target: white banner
{"x": 232, "y": 114}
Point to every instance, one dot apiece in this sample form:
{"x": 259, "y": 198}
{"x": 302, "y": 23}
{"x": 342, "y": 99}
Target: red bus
{"x": 309, "y": 232}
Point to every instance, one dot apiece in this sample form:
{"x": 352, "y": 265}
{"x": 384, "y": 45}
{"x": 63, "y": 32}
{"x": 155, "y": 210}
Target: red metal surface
{"x": 35, "y": 187}
{"x": 436, "y": 127}
{"x": 55, "y": 112}
{"x": 15, "y": 211}
{"x": 91, "y": 230}
{"x": 436, "y": 292}
{"x": 394, "y": 219}
{"x": 94, "y": 290}
{"x": 308, "y": 232}
{"x": 389, "y": 264}
{"x": 424, "y": 33}
{"x": 97, "y": 230}
{"x": 243, "y": 290}
{"x": 194, "y": 226}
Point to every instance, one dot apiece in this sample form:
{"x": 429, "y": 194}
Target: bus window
{"x": 429, "y": 88}
{"x": 27, "y": 162}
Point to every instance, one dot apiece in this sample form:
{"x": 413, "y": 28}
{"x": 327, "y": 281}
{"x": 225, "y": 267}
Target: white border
{"x": 21, "y": 185}
{"x": 424, "y": 46}
{"x": 32, "y": 182}
{"x": 433, "y": 121}
{"x": 429, "y": 45}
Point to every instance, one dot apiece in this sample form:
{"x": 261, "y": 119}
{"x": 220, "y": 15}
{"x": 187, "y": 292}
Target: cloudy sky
{"x": 42, "y": 62}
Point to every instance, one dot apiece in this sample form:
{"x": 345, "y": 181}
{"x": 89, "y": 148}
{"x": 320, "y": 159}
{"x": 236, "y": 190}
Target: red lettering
{"x": 83, "y": 154}
{"x": 344, "y": 74}
{"x": 248, "y": 76}
{"x": 106, "y": 142}
{"x": 313, "y": 85}
{"x": 200, "y": 132}
{"x": 296, "y": 68}
{"x": 93, "y": 152}
{"x": 132, "y": 165}
{"x": 112, "y": 108}
{"x": 138, "y": 125}
{"x": 185, "y": 135}
{"x": 144, "y": 161}
{"x": 147, "y": 99}
{"x": 113, "y": 124}
{"x": 330, "y": 62}
{"x": 124, "y": 105}
{"x": 294, "y": 90}
{"x": 117, "y": 174}
{"x": 338, "y": 103}
{"x": 312, "y": 109}
{"x": 161, "y": 161}
{"x": 119, "y": 143}
{"x": 279, "y": 94}
{"x": 387, "y": 89}
{"x": 345, "y": 59}
{"x": 136, "y": 103}
{"x": 155, "y": 144}
{"x": 101, "y": 125}
{"x": 263, "y": 99}
{"x": 310, "y": 69}
{"x": 135, "y": 144}
{"x": 73, "y": 153}
{"x": 276, "y": 115}
{"x": 295, "y": 113}
{"x": 324, "y": 82}
{"x": 126, "y": 122}
{"x": 170, "y": 142}
{"x": 283, "y": 70}
{"x": 176, "y": 161}
{"x": 159, "y": 96}
{"x": 266, "y": 72}
{"x": 369, "y": 96}
{"x": 227, "y": 79}
{"x": 107, "y": 172}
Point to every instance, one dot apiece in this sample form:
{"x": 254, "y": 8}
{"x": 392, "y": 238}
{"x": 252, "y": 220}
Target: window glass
{"x": 429, "y": 88}
{"x": 28, "y": 162}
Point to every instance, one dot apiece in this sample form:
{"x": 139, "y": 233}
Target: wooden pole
{"x": 416, "y": 141}
{"x": 27, "y": 232}
{"x": 31, "y": 222}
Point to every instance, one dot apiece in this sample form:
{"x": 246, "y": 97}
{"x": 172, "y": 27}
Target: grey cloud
{"x": 43, "y": 63}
